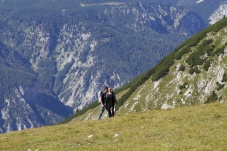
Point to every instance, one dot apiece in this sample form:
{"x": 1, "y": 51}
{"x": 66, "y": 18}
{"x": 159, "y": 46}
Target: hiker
{"x": 103, "y": 99}
{"x": 111, "y": 100}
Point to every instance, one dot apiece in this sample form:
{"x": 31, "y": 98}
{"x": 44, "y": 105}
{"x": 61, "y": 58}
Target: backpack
{"x": 100, "y": 96}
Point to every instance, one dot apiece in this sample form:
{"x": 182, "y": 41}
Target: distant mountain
{"x": 56, "y": 55}
{"x": 23, "y": 103}
{"x": 211, "y": 11}
{"x": 195, "y": 73}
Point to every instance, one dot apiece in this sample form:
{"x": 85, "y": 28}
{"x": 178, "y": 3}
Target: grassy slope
{"x": 201, "y": 127}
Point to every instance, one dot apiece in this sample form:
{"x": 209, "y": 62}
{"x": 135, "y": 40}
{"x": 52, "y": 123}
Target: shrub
{"x": 219, "y": 51}
{"x": 183, "y": 85}
{"x": 213, "y": 97}
{"x": 197, "y": 70}
{"x": 161, "y": 73}
{"x": 224, "y": 78}
{"x": 194, "y": 70}
{"x": 182, "y": 68}
{"x": 219, "y": 86}
{"x": 163, "y": 68}
{"x": 195, "y": 58}
{"x": 209, "y": 51}
{"x": 206, "y": 65}
{"x": 180, "y": 53}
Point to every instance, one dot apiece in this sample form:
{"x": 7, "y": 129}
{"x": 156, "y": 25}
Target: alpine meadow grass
{"x": 202, "y": 127}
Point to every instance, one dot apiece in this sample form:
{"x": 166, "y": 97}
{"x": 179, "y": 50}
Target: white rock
{"x": 116, "y": 135}
{"x": 90, "y": 136}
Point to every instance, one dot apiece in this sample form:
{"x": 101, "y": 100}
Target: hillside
{"x": 195, "y": 73}
{"x": 199, "y": 128}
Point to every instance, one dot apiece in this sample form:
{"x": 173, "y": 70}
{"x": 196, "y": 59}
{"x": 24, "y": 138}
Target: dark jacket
{"x": 104, "y": 98}
{"x": 111, "y": 100}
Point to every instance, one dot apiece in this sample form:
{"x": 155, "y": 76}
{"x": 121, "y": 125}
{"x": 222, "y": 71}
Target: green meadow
{"x": 194, "y": 128}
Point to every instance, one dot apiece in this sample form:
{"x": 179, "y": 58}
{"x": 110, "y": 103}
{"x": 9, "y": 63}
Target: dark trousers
{"x": 110, "y": 110}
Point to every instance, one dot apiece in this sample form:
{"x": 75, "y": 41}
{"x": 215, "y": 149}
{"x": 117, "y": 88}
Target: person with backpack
{"x": 103, "y": 100}
{"x": 111, "y": 101}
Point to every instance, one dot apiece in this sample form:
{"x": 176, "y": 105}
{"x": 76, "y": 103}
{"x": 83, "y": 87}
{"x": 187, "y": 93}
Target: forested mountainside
{"x": 195, "y": 73}
{"x": 56, "y": 55}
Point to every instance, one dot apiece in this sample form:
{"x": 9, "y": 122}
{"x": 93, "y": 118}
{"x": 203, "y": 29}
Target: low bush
{"x": 219, "y": 86}
{"x": 206, "y": 65}
{"x": 213, "y": 97}
{"x": 224, "y": 78}
{"x": 182, "y": 68}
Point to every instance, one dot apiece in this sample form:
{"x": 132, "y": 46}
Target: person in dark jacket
{"x": 103, "y": 100}
{"x": 111, "y": 101}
